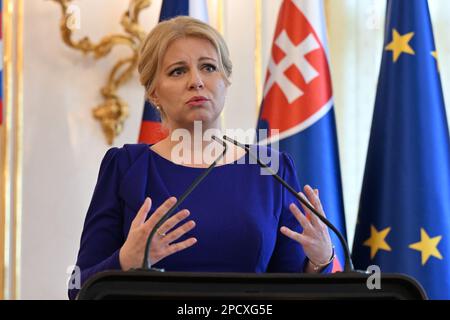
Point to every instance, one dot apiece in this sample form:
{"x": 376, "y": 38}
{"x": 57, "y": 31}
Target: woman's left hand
{"x": 315, "y": 238}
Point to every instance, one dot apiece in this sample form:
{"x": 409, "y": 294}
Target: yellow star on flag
{"x": 427, "y": 246}
{"x": 400, "y": 44}
{"x": 435, "y": 55}
{"x": 377, "y": 241}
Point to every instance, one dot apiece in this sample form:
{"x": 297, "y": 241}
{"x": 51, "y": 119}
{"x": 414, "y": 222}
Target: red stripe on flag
{"x": 336, "y": 266}
{"x": 152, "y": 132}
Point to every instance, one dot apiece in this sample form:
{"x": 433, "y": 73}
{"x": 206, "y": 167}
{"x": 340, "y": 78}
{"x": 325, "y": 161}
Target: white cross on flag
{"x": 297, "y": 90}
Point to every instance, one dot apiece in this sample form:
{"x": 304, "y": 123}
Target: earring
{"x": 157, "y": 106}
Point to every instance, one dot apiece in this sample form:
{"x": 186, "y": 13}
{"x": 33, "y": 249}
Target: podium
{"x": 139, "y": 284}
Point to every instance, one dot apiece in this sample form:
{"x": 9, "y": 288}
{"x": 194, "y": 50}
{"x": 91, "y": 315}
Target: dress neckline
{"x": 189, "y": 167}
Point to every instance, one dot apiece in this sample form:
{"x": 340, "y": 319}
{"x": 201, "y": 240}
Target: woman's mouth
{"x": 197, "y": 101}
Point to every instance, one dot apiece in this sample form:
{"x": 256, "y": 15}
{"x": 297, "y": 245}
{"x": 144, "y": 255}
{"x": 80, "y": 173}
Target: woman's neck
{"x": 194, "y": 149}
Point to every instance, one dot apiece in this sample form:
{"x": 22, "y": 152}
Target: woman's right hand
{"x": 131, "y": 254}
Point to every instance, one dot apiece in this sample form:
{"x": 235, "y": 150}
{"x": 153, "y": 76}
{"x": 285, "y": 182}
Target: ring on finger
{"x": 161, "y": 234}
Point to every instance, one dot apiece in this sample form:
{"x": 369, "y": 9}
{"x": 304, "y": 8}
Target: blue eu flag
{"x": 404, "y": 215}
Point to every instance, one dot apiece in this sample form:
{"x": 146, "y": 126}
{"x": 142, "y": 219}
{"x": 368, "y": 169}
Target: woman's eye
{"x": 209, "y": 67}
{"x": 177, "y": 72}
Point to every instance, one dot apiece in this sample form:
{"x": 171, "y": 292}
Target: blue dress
{"x": 238, "y": 214}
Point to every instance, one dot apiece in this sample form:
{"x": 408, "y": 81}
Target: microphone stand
{"x": 348, "y": 266}
{"x": 146, "y": 265}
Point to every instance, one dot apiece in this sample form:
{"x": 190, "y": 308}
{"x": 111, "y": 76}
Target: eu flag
{"x": 404, "y": 215}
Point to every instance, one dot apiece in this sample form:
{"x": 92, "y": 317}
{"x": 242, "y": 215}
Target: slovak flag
{"x": 298, "y": 101}
{"x": 151, "y": 131}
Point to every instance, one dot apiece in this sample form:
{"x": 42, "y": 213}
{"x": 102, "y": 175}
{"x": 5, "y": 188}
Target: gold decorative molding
{"x": 18, "y": 154}
{"x": 11, "y": 150}
{"x": 113, "y": 112}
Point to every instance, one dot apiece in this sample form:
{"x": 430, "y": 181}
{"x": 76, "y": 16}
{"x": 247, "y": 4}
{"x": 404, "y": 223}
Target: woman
{"x": 239, "y": 220}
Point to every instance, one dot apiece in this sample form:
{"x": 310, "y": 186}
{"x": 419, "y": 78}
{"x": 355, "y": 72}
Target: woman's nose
{"x": 196, "y": 81}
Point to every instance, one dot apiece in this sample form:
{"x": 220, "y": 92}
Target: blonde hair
{"x": 158, "y": 40}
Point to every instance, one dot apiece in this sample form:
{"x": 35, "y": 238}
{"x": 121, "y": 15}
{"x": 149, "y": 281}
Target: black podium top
{"x": 246, "y": 286}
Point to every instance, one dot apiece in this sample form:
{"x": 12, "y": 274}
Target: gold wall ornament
{"x": 113, "y": 112}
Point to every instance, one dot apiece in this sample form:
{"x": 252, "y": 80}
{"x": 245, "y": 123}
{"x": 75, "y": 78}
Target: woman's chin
{"x": 204, "y": 117}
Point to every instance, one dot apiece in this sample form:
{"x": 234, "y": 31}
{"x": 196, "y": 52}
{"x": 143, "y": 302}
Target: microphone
{"x": 146, "y": 265}
{"x": 348, "y": 266}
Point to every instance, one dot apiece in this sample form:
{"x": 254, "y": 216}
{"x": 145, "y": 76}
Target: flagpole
{"x": 258, "y": 57}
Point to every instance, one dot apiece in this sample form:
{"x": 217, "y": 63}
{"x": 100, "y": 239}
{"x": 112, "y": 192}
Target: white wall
{"x": 63, "y": 144}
